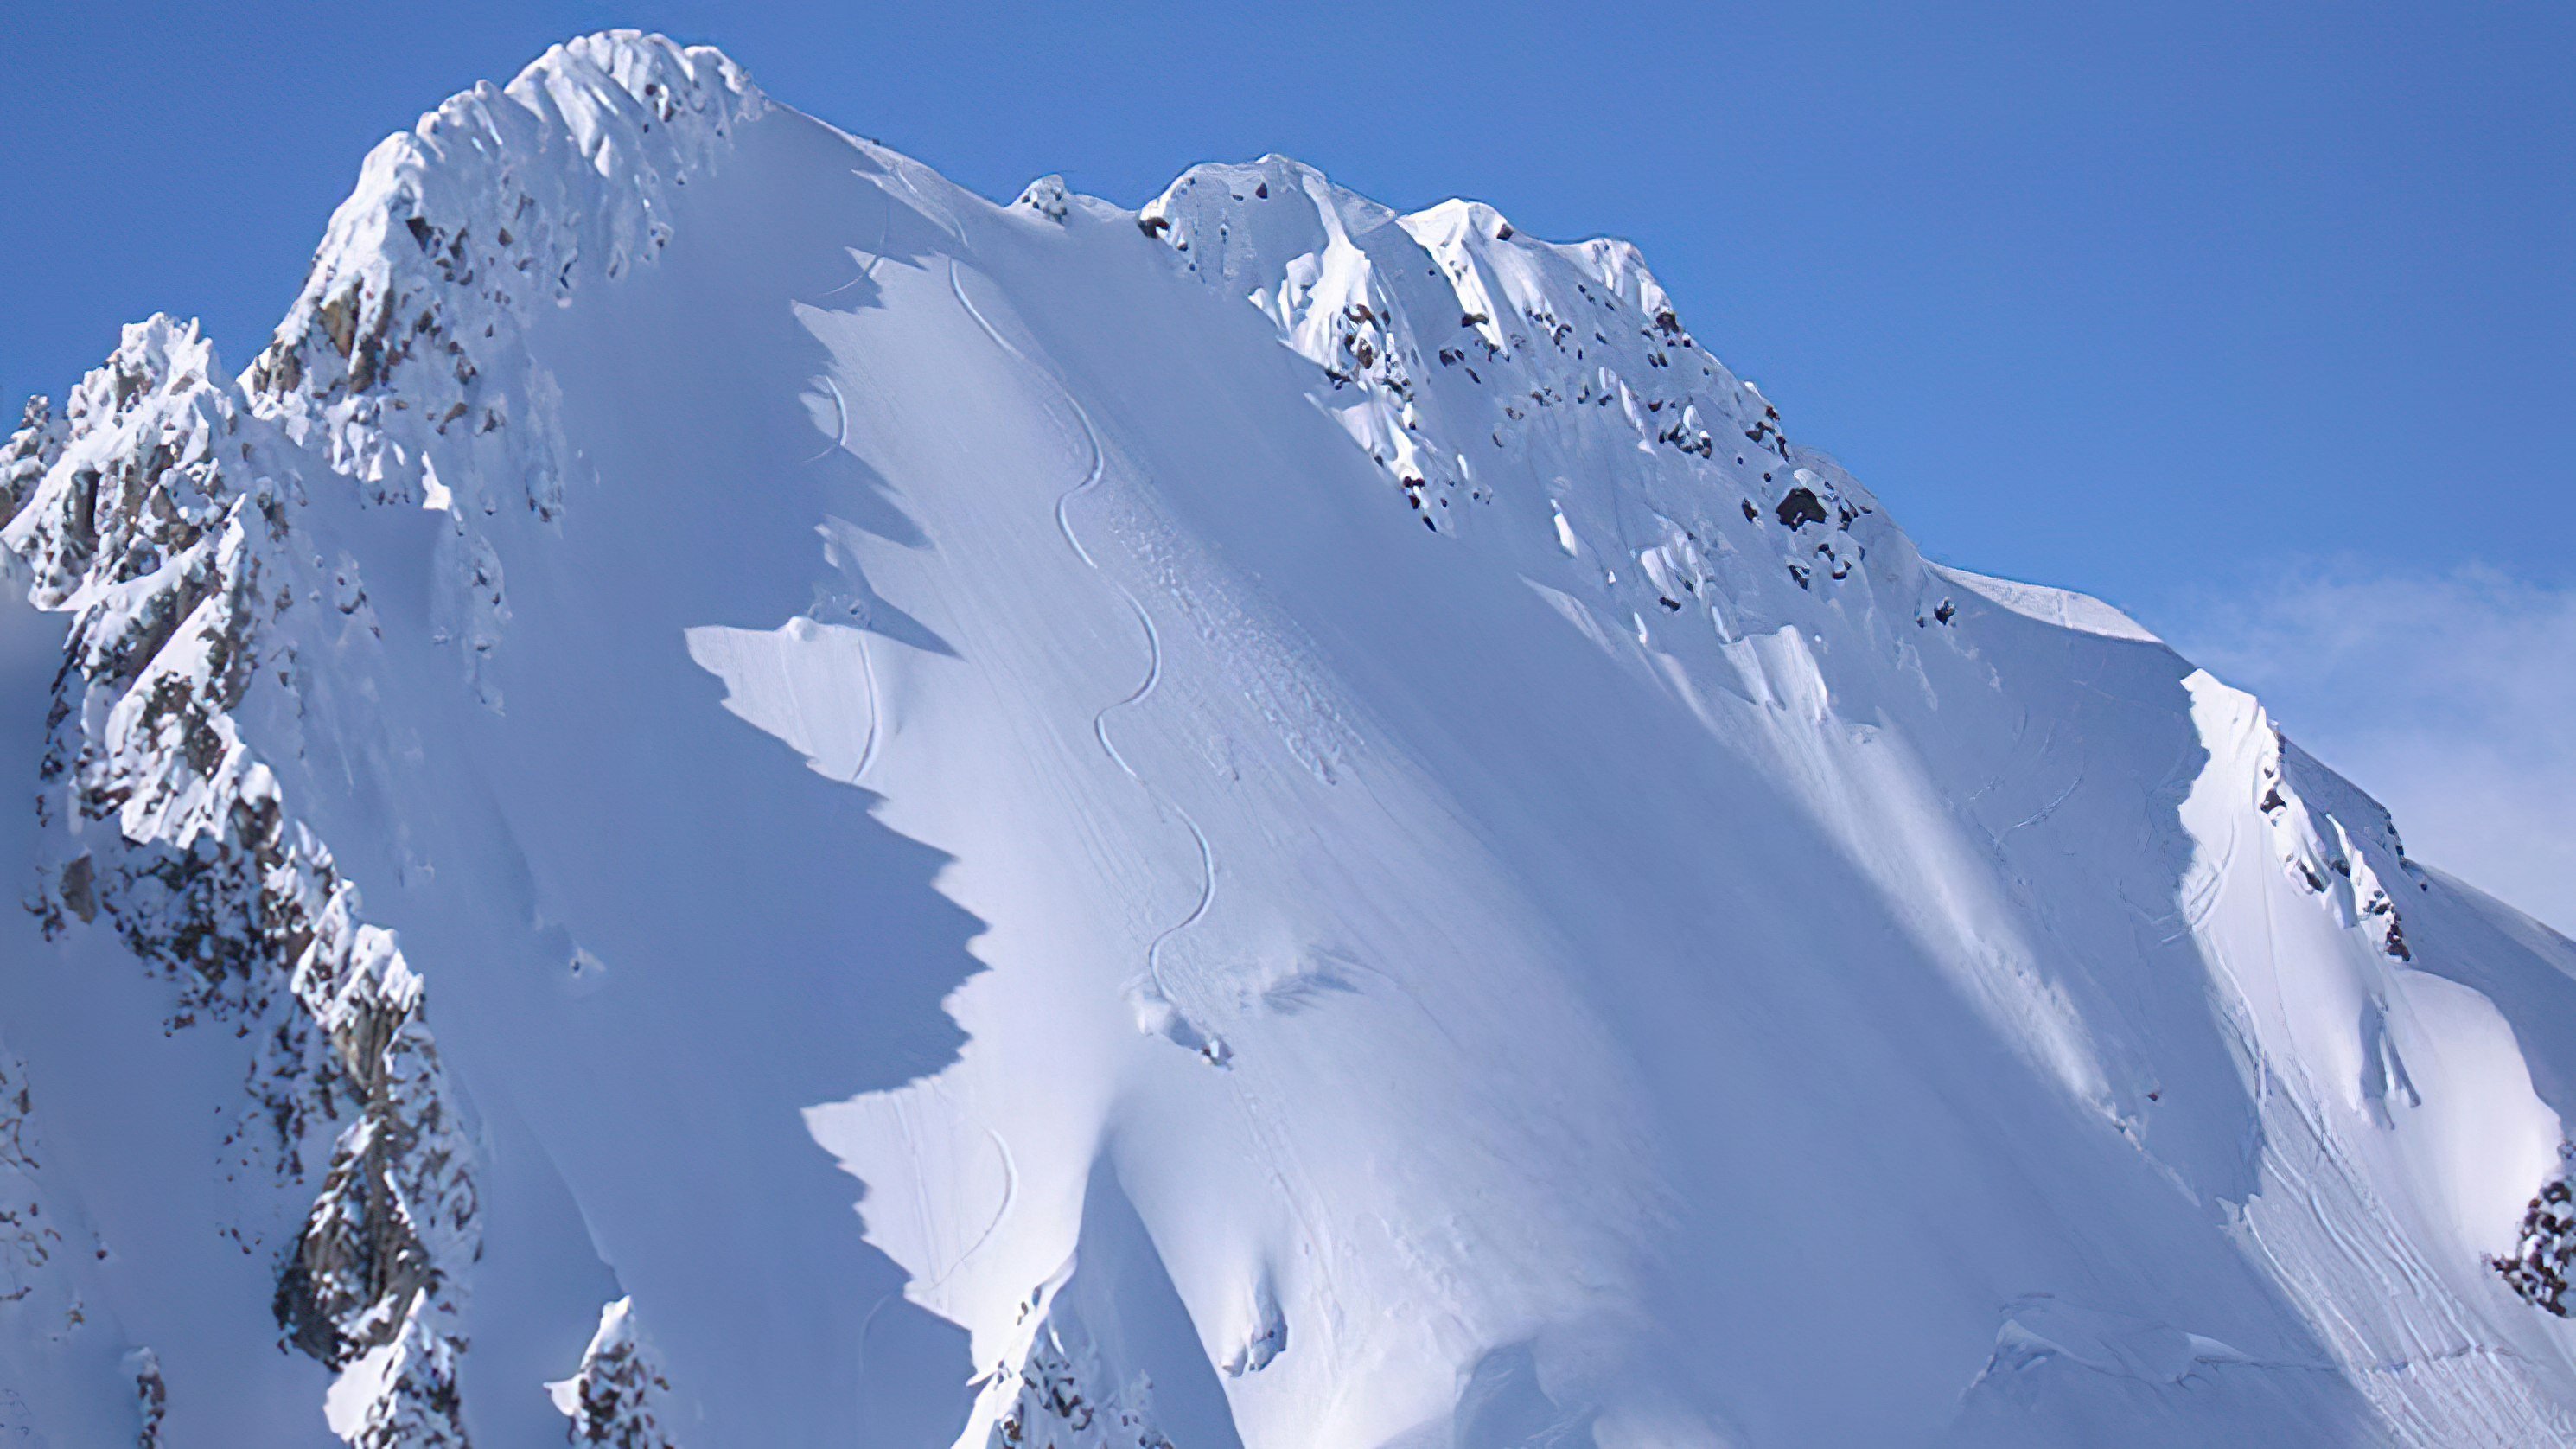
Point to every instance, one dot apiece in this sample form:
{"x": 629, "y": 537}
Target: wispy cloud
{"x": 2450, "y": 698}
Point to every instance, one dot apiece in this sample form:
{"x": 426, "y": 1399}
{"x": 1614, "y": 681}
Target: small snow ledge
{"x": 2062, "y": 607}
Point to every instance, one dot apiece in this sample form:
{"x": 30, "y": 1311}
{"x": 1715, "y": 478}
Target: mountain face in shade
{"x": 732, "y": 797}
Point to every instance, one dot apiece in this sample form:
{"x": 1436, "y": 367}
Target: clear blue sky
{"x": 2193, "y": 306}
{"x": 2126, "y": 300}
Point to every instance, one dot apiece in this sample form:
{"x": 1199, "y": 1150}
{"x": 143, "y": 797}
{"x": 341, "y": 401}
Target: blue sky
{"x": 2255, "y": 319}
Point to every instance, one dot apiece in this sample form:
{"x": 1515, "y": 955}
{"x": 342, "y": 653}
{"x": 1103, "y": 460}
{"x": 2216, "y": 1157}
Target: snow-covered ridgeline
{"x": 1473, "y": 362}
{"x": 161, "y": 511}
{"x": 163, "y": 524}
{"x": 1544, "y": 326}
{"x": 1450, "y": 340}
{"x": 403, "y": 360}
{"x": 2402, "y": 1127}
{"x": 403, "y": 356}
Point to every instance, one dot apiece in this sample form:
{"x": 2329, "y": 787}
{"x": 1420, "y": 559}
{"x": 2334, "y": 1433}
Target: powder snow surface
{"x": 1258, "y": 823}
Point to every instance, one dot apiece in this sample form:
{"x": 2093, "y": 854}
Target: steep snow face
{"x": 1337, "y": 836}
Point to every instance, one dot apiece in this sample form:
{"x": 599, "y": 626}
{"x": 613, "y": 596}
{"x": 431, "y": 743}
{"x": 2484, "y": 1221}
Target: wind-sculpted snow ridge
{"x": 404, "y": 359}
{"x": 499, "y": 202}
{"x": 1368, "y": 295}
{"x": 1340, "y": 838}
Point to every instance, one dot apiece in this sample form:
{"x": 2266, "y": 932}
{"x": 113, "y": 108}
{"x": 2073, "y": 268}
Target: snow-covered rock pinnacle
{"x": 615, "y": 1396}
{"x": 1250, "y": 822}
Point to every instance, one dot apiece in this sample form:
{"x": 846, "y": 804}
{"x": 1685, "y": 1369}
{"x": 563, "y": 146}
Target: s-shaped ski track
{"x": 1255, "y": 1116}
{"x": 867, "y": 661}
{"x": 1153, "y": 649}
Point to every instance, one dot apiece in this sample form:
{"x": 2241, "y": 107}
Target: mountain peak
{"x": 1339, "y": 837}
{"x": 651, "y": 69}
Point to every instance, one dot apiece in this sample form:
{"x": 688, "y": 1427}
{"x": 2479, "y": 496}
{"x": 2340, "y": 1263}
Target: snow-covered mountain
{"x": 1326, "y": 828}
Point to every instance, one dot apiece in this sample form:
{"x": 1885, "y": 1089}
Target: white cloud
{"x": 2450, "y": 698}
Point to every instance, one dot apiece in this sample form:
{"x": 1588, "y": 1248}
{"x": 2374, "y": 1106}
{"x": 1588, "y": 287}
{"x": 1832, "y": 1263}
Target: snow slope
{"x": 1313, "y": 813}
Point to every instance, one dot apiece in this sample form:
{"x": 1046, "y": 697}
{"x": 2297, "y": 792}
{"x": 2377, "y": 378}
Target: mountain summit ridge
{"x": 1342, "y": 841}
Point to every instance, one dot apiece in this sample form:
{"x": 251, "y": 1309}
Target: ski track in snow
{"x": 841, "y": 432}
{"x": 1001, "y": 1214}
{"x": 2044, "y": 811}
{"x": 1153, "y": 664}
{"x": 1010, "y": 1188}
{"x": 867, "y": 659}
{"x": 868, "y": 273}
{"x": 1276, "y": 1151}
{"x": 876, "y": 711}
